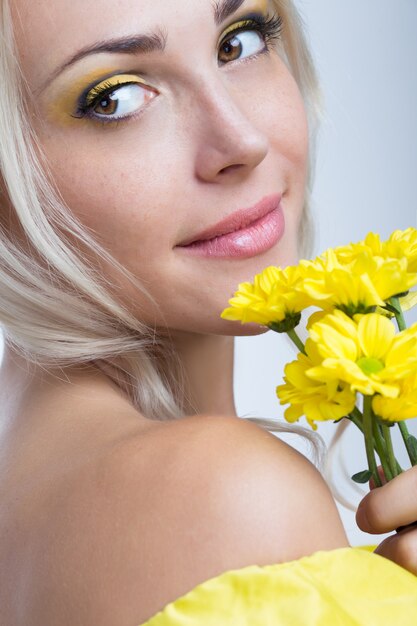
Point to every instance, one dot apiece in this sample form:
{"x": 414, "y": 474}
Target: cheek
{"x": 288, "y": 128}
{"x": 278, "y": 110}
{"x": 111, "y": 189}
{"x": 280, "y": 114}
{"x": 112, "y": 193}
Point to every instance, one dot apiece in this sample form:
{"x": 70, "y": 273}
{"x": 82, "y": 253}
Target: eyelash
{"x": 269, "y": 28}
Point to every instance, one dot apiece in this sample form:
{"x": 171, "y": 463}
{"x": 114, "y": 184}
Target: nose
{"x": 229, "y": 143}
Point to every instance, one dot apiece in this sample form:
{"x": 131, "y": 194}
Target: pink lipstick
{"x": 244, "y": 234}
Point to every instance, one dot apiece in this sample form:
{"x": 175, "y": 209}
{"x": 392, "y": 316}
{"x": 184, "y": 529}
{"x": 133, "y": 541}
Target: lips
{"x": 237, "y": 220}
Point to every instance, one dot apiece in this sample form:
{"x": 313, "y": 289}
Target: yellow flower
{"x": 409, "y": 301}
{"x": 355, "y": 287}
{"x": 406, "y": 303}
{"x": 271, "y": 298}
{"x": 401, "y": 244}
{"x": 317, "y": 316}
{"x": 316, "y": 400}
{"x": 404, "y": 243}
{"x": 401, "y": 408}
{"x": 364, "y": 352}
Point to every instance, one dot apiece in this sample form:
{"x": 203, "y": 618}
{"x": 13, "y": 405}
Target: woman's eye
{"x": 120, "y": 102}
{"x": 123, "y": 101}
{"x": 241, "y": 45}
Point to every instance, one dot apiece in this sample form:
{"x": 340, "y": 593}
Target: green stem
{"x": 369, "y": 439}
{"x": 405, "y": 434}
{"x": 357, "y": 418}
{"x": 390, "y": 450}
{"x": 296, "y": 339}
{"x": 382, "y": 450}
{"x": 399, "y": 314}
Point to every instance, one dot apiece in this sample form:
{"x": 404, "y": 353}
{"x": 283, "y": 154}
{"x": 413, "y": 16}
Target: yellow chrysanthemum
{"x": 272, "y": 297}
{"x": 329, "y": 284}
{"x": 402, "y": 244}
{"x": 317, "y": 401}
{"x": 357, "y": 286}
{"x": 401, "y": 408}
{"x": 364, "y": 352}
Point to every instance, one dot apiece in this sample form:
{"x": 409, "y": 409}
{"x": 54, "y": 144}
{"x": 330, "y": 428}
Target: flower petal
{"x": 375, "y": 335}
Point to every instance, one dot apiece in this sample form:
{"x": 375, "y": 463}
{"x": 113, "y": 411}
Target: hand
{"x": 390, "y": 507}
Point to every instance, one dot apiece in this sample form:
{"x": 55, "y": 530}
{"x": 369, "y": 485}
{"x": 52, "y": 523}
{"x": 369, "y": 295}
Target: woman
{"x": 129, "y": 133}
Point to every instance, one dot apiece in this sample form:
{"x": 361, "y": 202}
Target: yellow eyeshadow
{"x": 259, "y": 7}
{"x": 235, "y": 26}
{"x": 107, "y": 83}
{"x": 65, "y": 103}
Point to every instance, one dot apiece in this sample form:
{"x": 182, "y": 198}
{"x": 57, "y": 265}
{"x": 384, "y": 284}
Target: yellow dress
{"x": 345, "y": 586}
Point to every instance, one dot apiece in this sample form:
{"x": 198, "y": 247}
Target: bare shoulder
{"x": 220, "y": 493}
{"x": 252, "y": 497}
{"x": 174, "y": 506}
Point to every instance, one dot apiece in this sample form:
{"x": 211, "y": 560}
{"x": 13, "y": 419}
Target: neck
{"x": 208, "y": 366}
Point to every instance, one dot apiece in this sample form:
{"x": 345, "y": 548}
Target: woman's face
{"x": 150, "y": 147}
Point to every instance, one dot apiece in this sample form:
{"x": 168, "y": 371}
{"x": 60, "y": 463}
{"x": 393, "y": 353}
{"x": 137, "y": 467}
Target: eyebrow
{"x": 141, "y": 44}
{"x": 224, "y": 9}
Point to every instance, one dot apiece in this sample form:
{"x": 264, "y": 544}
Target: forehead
{"x": 48, "y": 32}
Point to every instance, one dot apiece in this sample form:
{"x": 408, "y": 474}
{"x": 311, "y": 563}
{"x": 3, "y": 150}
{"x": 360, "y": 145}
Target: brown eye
{"x": 231, "y": 50}
{"x": 123, "y": 100}
{"x": 107, "y": 106}
{"x": 241, "y": 45}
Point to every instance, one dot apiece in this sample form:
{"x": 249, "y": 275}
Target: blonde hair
{"x": 55, "y": 308}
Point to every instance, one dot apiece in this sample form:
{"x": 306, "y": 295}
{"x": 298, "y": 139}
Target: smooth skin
{"x": 106, "y": 515}
{"x": 105, "y": 520}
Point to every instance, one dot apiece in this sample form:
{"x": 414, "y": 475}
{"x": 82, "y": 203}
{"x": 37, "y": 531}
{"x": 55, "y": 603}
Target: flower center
{"x": 369, "y": 365}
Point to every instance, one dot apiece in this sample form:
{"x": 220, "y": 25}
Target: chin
{"x": 237, "y": 329}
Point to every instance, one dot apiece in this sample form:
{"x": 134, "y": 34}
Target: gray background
{"x": 366, "y": 55}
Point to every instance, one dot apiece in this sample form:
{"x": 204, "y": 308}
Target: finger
{"x": 394, "y": 504}
{"x": 408, "y": 527}
{"x": 401, "y": 549}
